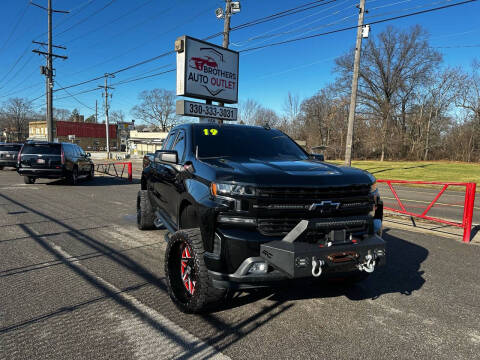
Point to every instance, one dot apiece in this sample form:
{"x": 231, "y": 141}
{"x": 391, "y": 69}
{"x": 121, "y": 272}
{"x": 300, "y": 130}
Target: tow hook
{"x": 369, "y": 264}
{"x": 317, "y": 266}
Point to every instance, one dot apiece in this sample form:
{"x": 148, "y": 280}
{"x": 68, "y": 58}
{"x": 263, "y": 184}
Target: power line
{"x": 79, "y": 93}
{"x": 356, "y": 26}
{"x": 144, "y": 77}
{"x": 276, "y": 43}
{"x": 73, "y": 96}
{"x": 129, "y": 12}
{"x": 87, "y": 17}
{"x": 128, "y": 51}
{"x": 22, "y": 14}
{"x": 269, "y": 34}
{"x": 81, "y": 83}
{"x": 251, "y": 23}
{"x": 280, "y": 15}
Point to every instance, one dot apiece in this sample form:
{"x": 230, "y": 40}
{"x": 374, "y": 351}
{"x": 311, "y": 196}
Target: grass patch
{"x": 420, "y": 170}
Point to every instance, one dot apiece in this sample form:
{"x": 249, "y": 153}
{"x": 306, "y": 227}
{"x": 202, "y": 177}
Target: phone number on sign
{"x": 211, "y": 111}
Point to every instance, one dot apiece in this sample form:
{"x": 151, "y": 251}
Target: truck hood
{"x": 296, "y": 173}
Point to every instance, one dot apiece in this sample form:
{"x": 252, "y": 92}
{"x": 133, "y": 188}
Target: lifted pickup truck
{"x": 247, "y": 207}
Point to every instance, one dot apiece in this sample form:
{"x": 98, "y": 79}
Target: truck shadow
{"x": 401, "y": 275}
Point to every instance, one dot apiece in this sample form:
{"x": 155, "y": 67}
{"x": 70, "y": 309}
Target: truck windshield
{"x": 245, "y": 142}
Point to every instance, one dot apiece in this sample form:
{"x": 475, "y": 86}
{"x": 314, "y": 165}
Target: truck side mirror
{"x": 320, "y": 157}
{"x": 167, "y": 156}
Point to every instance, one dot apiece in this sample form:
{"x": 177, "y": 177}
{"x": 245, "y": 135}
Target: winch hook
{"x": 317, "y": 263}
{"x": 369, "y": 265}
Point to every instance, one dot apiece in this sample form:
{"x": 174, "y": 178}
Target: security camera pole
{"x": 353, "y": 99}
{"x": 226, "y": 24}
{"x": 226, "y": 33}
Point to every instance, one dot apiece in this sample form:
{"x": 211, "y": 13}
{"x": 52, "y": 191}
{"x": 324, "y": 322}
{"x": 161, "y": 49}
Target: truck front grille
{"x": 323, "y": 193}
{"x": 282, "y": 226}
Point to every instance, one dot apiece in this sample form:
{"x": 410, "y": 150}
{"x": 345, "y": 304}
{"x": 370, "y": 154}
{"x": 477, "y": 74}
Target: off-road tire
{"x": 28, "y": 180}
{"x": 205, "y": 295}
{"x": 145, "y": 216}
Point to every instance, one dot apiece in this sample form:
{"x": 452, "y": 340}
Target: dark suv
{"x": 9, "y": 154}
{"x": 54, "y": 161}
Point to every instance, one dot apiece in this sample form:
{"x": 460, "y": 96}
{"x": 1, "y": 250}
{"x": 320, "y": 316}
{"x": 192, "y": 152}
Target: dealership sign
{"x": 206, "y": 71}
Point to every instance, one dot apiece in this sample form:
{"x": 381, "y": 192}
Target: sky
{"x": 104, "y": 36}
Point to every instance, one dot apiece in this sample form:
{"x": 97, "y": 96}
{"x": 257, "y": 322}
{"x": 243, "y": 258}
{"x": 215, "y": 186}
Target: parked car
{"x": 54, "y": 161}
{"x": 9, "y": 154}
{"x": 247, "y": 207}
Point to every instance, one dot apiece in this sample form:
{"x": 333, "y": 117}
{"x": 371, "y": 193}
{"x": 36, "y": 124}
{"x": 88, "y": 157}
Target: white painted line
{"x": 149, "y": 342}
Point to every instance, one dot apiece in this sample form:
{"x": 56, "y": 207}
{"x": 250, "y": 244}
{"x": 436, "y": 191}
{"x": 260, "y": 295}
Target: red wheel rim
{"x": 186, "y": 269}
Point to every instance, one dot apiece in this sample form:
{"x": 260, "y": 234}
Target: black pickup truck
{"x": 246, "y": 207}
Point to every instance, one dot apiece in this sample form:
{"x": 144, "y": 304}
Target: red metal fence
{"x": 115, "y": 169}
{"x": 466, "y": 223}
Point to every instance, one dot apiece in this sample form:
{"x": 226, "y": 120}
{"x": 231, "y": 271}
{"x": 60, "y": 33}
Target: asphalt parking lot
{"x": 78, "y": 280}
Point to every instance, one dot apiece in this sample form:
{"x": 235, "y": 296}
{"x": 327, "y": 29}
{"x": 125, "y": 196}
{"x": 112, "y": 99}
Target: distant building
{"x": 124, "y": 129}
{"x": 89, "y": 136}
{"x": 141, "y": 143}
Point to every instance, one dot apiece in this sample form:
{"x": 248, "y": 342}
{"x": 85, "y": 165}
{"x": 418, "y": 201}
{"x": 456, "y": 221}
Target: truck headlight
{"x": 373, "y": 187}
{"x": 231, "y": 189}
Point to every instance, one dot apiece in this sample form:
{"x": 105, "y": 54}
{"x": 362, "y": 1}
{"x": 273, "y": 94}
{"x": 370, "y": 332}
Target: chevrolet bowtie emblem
{"x": 324, "y": 205}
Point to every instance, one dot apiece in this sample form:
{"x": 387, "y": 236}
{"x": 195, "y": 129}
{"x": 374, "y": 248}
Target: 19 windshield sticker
{"x": 207, "y": 132}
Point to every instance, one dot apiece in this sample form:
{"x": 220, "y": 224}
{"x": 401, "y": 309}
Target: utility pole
{"x": 226, "y": 24}
{"x": 353, "y": 99}
{"x": 96, "y": 111}
{"x": 106, "y": 88}
{"x": 48, "y": 70}
{"x": 226, "y": 33}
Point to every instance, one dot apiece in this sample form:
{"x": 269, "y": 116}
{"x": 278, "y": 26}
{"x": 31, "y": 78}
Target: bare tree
{"x": 117, "y": 116}
{"x": 247, "y": 110}
{"x": 157, "y": 107}
{"x": 291, "y": 107}
{"x": 266, "y": 117}
{"x": 391, "y": 68}
{"x": 470, "y": 101}
{"x": 61, "y": 114}
{"x": 17, "y": 113}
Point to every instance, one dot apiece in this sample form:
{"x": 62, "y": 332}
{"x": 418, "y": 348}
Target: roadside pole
{"x": 226, "y": 34}
{"x": 48, "y": 69}
{"x": 107, "y": 129}
{"x": 353, "y": 98}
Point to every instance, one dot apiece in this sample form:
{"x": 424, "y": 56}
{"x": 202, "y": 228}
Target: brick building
{"x": 89, "y": 136}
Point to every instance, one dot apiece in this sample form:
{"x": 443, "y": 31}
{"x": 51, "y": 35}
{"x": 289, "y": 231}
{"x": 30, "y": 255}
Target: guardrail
{"x": 466, "y": 223}
{"x": 116, "y": 169}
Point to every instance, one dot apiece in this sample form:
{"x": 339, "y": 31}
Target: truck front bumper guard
{"x": 290, "y": 259}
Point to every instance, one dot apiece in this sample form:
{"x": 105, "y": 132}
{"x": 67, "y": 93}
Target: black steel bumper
{"x": 287, "y": 259}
